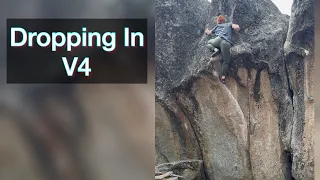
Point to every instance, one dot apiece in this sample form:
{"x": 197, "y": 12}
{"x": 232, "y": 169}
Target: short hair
{"x": 220, "y": 19}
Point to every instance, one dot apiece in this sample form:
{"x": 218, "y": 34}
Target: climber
{"x": 222, "y": 42}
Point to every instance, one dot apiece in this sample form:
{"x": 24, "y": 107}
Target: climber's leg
{"x": 214, "y": 45}
{"x": 210, "y": 46}
{"x": 225, "y": 49}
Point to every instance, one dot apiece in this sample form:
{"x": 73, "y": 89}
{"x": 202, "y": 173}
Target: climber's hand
{"x": 236, "y": 27}
{"x": 207, "y": 31}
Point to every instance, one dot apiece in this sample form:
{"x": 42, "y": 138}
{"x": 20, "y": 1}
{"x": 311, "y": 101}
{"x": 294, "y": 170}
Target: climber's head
{"x": 220, "y": 19}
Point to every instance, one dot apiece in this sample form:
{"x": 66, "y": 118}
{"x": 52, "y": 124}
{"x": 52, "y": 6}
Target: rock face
{"x": 260, "y": 124}
{"x": 299, "y": 51}
{"x": 188, "y": 170}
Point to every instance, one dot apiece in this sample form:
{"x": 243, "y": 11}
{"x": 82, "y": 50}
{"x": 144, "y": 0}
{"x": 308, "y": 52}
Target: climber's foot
{"x": 223, "y": 79}
{"x": 215, "y": 52}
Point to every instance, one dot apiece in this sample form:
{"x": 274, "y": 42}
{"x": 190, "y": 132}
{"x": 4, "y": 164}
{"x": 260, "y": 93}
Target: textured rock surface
{"x": 169, "y": 132}
{"x": 299, "y": 49}
{"x": 188, "y": 169}
{"x": 257, "y": 126}
{"x": 224, "y": 130}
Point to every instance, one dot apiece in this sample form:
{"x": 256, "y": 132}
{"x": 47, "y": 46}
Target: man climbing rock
{"x": 222, "y": 42}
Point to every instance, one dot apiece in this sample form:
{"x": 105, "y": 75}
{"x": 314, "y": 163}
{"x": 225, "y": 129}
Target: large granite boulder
{"x": 258, "y": 125}
{"x": 299, "y": 57}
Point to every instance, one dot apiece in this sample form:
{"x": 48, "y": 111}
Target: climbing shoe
{"x": 215, "y": 52}
{"x": 223, "y": 80}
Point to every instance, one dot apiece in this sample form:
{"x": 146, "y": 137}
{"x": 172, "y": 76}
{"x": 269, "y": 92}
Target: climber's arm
{"x": 236, "y": 27}
{"x": 207, "y": 31}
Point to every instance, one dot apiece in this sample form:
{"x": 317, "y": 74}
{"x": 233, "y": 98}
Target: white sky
{"x": 284, "y": 5}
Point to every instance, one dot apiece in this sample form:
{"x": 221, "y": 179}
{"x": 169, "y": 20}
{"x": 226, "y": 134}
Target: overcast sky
{"x": 284, "y": 5}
